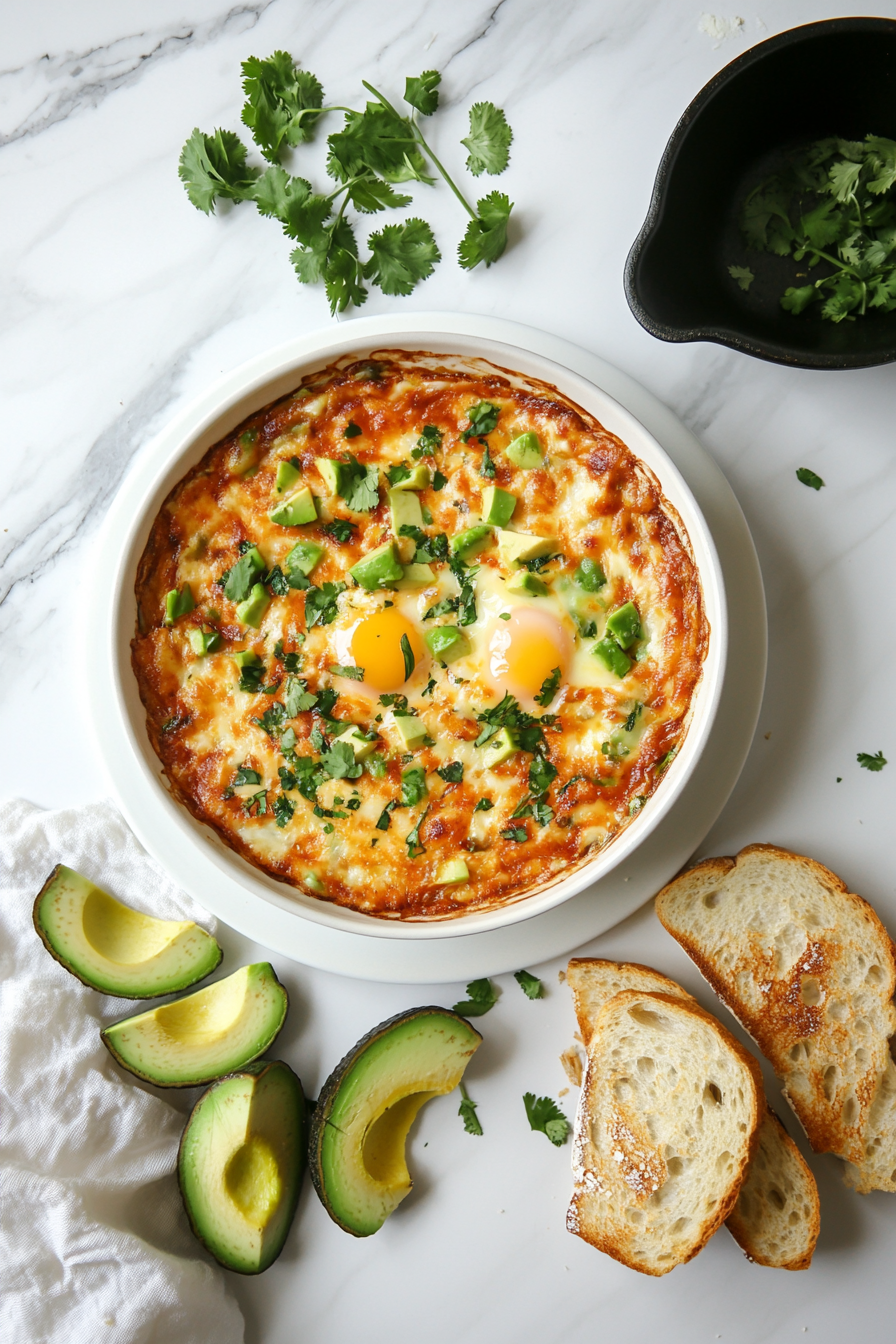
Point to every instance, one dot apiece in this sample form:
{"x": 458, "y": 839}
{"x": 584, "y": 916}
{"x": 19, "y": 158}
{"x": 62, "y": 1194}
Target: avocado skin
{"x": 330, "y": 1091}
{"x": 254, "y": 1070}
{"x": 131, "y": 994}
{"x": 194, "y": 1082}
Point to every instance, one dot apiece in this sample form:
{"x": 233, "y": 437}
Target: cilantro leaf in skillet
{"x": 412, "y": 839}
{"x": 339, "y": 762}
{"x": 245, "y": 775}
{"x": 548, "y": 688}
{"x": 808, "y": 477}
{"x": 283, "y": 809}
{"x": 467, "y": 1112}
{"x": 481, "y": 998}
{"x": 869, "y": 762}
{"x": 518, "y": 834}
{"x": 320, "y": 603}
{"x": 353, "y": 673}
{"x": 482, "y": 417}
{"x": 489, "y": 140}
{"x": 428, "y": 442}
{"x": 361, "y": 485}
{"x": 340, "y": 529}
{"x": 545, "y": 1115}
{"x": 529, "y": 984}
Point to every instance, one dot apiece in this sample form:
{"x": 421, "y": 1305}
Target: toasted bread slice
{"x": 807, "y": 968}
{"x": 776, "y": 1218}
{"x": 877, "y": 1169}
{"x": 667, "y": 1122}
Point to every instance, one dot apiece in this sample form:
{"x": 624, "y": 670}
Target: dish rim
{"x": 773, "y": 352}
{"x": 165, "y": 826}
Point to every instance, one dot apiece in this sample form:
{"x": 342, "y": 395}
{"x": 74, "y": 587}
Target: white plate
{"x": 552, "y": 922}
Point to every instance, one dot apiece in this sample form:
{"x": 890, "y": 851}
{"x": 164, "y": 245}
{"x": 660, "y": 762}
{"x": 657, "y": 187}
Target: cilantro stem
{"x": 418, "y": 138}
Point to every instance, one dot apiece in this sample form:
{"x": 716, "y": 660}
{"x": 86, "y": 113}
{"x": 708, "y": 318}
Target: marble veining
{"x": 119, "y": 303}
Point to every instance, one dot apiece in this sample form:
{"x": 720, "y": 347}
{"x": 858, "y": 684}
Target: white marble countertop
{"x": 120, "y": 302}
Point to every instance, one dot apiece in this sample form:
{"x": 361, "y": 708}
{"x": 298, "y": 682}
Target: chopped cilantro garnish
{"x": 283, "y": 809}
{"x": 428, "y": 442}
{"x": 868, "y": 762}
{"x": 297, "y": 697}
{"x": 483, "y": 418}
{"x": 452, "y": 773}
{"x": 353, "y": 673}
{"x": 308, "y": 775}
{"x": 385, "y": 818}
{"x": 542, "y": 812}
{"x": 326, "y": 699}
{"x": 481, "y": 997}
{"x": 443, "y": 608}
{"x": 546, "y": 1116}
{"x": 548, "y": 688}
{"x": 407, "y": 654}
{"x": 518, "y": 834}
{"x": 808, "y": 477}
{"x": 361, "y": 485}
{"x": 484, "y": 805}
{"x": 529, "y": 984}
{"x": 467, "y": 1112}
{"x": 439, "y": 480}
{"x": 272, "y": 718}
{"x": 339, "y": 762}
{"x": 429, "y": 687}
{"x": 399, "y": 473}
{"x": 487, "y": 466}
{"x": 278, "y": 581}
{"x": 340, "y": 529}
{"x": 413, "y": 786}
{"x": 633, "y": 717}
{"x": 576, "y": 779}
{"x": 241, "y": 577}
{"x": 245, "y": 775}
{"x": 376, "y": 766}
{"x": 320, "y": 604}
{"x": 412, "y": 839}
{"x": 351, "y": 430}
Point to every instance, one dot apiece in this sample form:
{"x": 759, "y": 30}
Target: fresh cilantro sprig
{"x": 481, "y": 998}
{"x": 529, "y": 984}
{"x": 806, "y": 476}
{"x": 833, "y": 203}
{"x": 467, "y": 1112}
{"x": 377, "y": 149}
{"x": 869, "y": 762}
{"x": 545, "y": 1115}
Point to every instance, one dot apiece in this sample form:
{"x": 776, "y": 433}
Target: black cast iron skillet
{"x": 837, "y": 77}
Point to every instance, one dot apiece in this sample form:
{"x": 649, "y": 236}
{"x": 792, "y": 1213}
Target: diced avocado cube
{"x": 287, "y": 475}
{"x": 247, "y": 658}
{"x": 357, "y": 741}
{"x": 612, "y": 657}
{"x": 411, "y": 730}
{"x": 499, "y": 748}
{"x": 515, "y": 547}
{"x": 447, "y": 643}
{"x": 333, "y": 473}
{"x": 531, "y": 584}
{"x": 419, "y": 478}
{"x": 378, "y": 568}
{"x": 313, "y": 883}
{"x": 497, "y": 506}
{"x": 470, "y": 543}
{"x": 298, "y": 509}
{"x": 416, "y": 576}
{"x": 204, "y": 641}
{"x": 525, "y": 451}
{"x": 178, "y": 603}
{"x": 590, "y": 576}
{"x": 455, "y": 870}
{"x": 303, "y": 557}
{"x": 251, "y": 612}
{"x": 405, "y": 510}
{"x": 624, "y": 624}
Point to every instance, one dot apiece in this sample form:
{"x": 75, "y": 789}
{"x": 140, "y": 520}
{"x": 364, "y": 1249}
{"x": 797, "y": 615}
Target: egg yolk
{"x": 526, "y": 649}
{"x": 376, "y": 646}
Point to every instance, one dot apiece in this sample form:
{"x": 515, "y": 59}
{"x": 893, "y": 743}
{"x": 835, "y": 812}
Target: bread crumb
{"x": 768, "y": 735}
{"x": 571, "y": 1060}
{"x": 563, "y": 1091}
{"x": 561, "y": 976}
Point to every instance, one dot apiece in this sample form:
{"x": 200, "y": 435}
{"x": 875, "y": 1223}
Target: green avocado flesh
{"x": 115, "y": 949}
{"x": 197, "y": 1039}
{"x": 368, "y": 1104}
{"x": 240, "y": 1164}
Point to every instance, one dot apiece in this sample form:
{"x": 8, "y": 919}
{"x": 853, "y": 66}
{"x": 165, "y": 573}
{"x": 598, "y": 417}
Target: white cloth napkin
{"x": 95, "y": 1247}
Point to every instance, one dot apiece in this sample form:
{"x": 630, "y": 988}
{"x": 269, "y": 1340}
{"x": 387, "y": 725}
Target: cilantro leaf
{"x": 486, "y": 235}
{"x": 397, "y": 474}
{"x": 370, "y": 194}
{"x": 443, "y": 608}
{"x": 489, "y": 140}
{"x": 868, "y": 762}
{"x": 361, "y": 488}
{"x": 529, "y": 984}
{"x": 214, "y": 166}
{"x": 340, "y": 529}
{"x": 407, "y": 654}
{"x": 428, "y": 442}
{"x": 482, "y": 417}
{"x": 546, "y": 1116}
{"x": 438, "y": 480}
{"x": 339, "y": 762}
{"x": 401, "y": 256}
{"x": 320, "y": 603}
{"x": 412, "y": 839}
{"x": 541, "y": 774}
{"x": 308, "y": 774}
{"x": 481, "y": 998}
{"x": 487, "y": 466}
{"x": 282, "y": 103}
{"x": 353, "y": 673}
{"x": 376, "y": 140}
{"x": 343, "y": 278}
{"x": 467, "y": 1112}
{"x": 413, "y": 786}
{"x": 283, "y": 809}
{"x": 548, "y": 688}
{"x": 272, "y": 718}
{"x": 484, "y": 805}
{"x": 452, "y": 773}
{"x": 808, "y": 477}
{"x": 422, "y": 91}
{"x": 385, "y": 817}
{"x": 518, "y": 834}
{"x": 291, "y": 201}
{"x": 352, "y": 431}
{"x": 743, "y": 275}
{"x": 243, "y": 575}
{"x": 245, "y": 775}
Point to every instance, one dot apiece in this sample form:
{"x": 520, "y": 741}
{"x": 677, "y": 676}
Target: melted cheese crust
{"x": 591, "y": 493}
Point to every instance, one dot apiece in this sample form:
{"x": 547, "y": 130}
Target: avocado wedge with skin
{"x": 241, "y": 1162}
{"x": 368, "y": 1104}
{"x": 115, "y": 949}
{"x": 196, "y": 1039}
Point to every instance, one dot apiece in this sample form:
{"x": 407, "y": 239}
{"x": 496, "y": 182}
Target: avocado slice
{"x": 299, "y": 509}
{"x": 612, "y": 657}
{"x": 287, "y": 476}
{"x": 251, "y": 612}
{"x": 357, "y": 741}
{"x": 497, "y": 506}
{"x": 241, "y": 1162}
{"x": 303, "y": 557}
{"x": 404, "y": 508}
{"x": 377, "y": 568}
{"x": 196, "y": 1039}
{"x": 529, "y": 584}
{"x": 515, "y": 547}
{"x": 419, "y": 479}
{"x": 410, "y": 729}
{"x": 454, "y": 870}
{"x": 447, "y": 643}
{"x": 115, "y": 949}
{"x": 416, "y": 576}
{"x": 333, "y": 473}
{"x": 178, "y": 603}
{"x": 471, "y": 542}
{"x": 525, "y": 451}
{"x": 368, "y": 1104}
{"x": 500, "y": 748}
{"x": 624, "y": 624}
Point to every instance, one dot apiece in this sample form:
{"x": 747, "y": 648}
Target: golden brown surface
{"x": 591, "y": 494}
